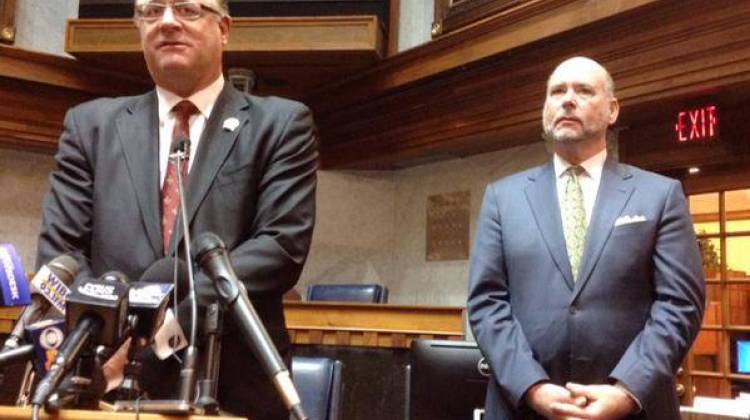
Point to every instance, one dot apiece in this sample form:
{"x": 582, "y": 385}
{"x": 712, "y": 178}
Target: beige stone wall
{"x": 41, "y": 24}
{"x": 23, "y": 177}
{"x": 371, "y": 225}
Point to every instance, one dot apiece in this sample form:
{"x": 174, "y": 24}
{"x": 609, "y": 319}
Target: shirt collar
{"x": 204, "y": 99}
{"x": 592, "y": 165}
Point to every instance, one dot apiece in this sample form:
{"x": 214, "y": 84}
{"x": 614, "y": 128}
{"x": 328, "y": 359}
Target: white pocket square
{"x": 231, "y": 123}
{"x": 627, "y": 219}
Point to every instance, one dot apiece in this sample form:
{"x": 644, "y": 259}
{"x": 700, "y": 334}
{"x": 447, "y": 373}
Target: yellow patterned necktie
{"x": 575, "y": 219}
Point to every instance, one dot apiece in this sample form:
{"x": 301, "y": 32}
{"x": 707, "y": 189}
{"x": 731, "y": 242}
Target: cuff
{"x": 632, "y": 396}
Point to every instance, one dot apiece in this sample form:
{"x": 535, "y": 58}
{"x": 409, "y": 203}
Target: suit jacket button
{"x": 572, "y": 310}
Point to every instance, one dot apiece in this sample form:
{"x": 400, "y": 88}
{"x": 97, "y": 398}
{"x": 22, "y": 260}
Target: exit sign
{"x": 697, "y": 124}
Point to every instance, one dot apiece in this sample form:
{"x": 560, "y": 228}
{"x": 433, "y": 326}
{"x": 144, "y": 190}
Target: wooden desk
{"x": 371, "y": 325}
{"x": 351, "y": 324}
{"x": 24, "y": 413}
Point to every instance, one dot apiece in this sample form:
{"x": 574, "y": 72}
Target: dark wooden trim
{"x": 38, "y": 88}
{"x": 481, "y": 88}
{"x": 466, "y": 12}
{"x": 394, "y": 18}
{"x": 7, "y": 21}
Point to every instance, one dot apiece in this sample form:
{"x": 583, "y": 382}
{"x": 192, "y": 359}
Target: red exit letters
{"x": 697, "y": 124}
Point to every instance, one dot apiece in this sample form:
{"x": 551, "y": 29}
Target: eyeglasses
{"x": 183, "y": 10}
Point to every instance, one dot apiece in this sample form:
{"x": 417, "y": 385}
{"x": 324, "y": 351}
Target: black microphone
{"x": 51, "y": 288}
{"x": 96, "y": 312}
{"x": 212, "y": 258}
{"x": 180, "y": 144}
{"x": 148, "y": 302}
{"x": 165, "y": 270}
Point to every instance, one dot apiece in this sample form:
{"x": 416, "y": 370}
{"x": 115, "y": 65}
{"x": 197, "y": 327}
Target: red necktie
{"x": 170, "y": 200}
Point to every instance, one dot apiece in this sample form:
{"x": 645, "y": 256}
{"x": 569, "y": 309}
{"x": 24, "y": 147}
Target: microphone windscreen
{"x": 114, "y": 277}
{"x": 163, "y": 271}
{"x": 65, "y": 268}
{"x": 180, "y": 144}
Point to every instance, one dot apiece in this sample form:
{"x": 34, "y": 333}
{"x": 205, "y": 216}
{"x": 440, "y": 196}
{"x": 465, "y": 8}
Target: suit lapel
{"x": 214, "y": 147}
{"x": 140, "y": 145}
{"x": 614, "y": 192}
{"x": 541, "y": 193}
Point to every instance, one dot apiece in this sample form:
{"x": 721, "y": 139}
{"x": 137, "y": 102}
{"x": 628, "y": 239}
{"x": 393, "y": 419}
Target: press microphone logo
{"x": 51, "y": 287}
{"x": 47, "y": 336}
{"x": 50, "y": 339}
{"x": 98, "y": 291}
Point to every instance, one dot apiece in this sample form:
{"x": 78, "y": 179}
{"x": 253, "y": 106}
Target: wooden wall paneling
{"x": 290, "y": 55}
{"x": 497, "y": 102}
{"x": 38, "y": 88}
{"x": 462, "y": 48}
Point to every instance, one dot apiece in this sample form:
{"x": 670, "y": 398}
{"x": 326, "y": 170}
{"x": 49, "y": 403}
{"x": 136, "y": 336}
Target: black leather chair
{"x": 318, "y": 381}
{"x": 365, "y": 293}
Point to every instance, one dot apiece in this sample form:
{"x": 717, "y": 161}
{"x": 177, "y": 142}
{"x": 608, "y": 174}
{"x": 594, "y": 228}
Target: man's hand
{"x": 601, "y": 402}
{"x": 543, "y": 396}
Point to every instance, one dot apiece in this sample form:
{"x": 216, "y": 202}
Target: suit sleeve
{"x": 653, "y": 357}
{"x": 497, "y": 332}
{"x": 271, "y": 260}
{"x": 67, "y": 212}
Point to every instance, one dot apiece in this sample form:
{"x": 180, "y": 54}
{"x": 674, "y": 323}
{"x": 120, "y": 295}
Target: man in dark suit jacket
{"x": 586, "y": 288}
{"x": 251, "y": 181}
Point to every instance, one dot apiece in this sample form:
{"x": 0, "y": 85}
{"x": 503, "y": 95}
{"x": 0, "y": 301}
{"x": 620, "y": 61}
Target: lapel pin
{"x": 230, "y": 124}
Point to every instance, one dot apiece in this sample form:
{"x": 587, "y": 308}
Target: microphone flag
{"x": 46, "y": 336}
{"x": 14, "y": 286}
{"x": 46, "y": 283}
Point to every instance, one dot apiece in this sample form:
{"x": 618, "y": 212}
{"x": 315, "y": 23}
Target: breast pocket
{"x": 634, "y": 229}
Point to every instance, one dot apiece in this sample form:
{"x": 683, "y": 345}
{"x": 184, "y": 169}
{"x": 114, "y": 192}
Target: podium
{"x": 24, "y": 413}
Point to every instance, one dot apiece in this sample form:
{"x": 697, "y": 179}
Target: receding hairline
{"x": 609, "y": 82}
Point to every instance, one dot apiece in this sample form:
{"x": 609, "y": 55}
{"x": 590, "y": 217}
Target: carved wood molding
{"x": 397, "y": 115}
{"x": 289, "y": 54}
{"x": 456, "y": 51}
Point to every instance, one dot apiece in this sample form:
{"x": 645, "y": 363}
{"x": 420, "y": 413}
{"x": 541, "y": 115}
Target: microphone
{"x": 20, "y": 354}
{"x": 212, "y": 258}
{"x": 148, "y": 301}
{"x": 14, "y": 286}
{"x": 50, "y": 287}
{"x": 98, "y": 310}
{"x": 168, "y": 337}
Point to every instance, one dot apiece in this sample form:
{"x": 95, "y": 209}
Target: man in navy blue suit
{"x": 585, "y": 288}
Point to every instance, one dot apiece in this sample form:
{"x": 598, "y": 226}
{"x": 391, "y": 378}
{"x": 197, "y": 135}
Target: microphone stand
{"x": 187, "y": 374}
{"x": 186, "y": 386}
{"x": 208, "y": 386}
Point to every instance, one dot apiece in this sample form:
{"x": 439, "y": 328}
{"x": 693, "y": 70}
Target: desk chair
{"x": 364, "y": 293}
{"x": 318, "y": 381}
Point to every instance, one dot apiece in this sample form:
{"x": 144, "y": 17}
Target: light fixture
{"x": 694, "y": 170}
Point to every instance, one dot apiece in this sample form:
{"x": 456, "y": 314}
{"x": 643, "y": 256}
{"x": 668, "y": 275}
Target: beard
{"x": 570, "y": 136}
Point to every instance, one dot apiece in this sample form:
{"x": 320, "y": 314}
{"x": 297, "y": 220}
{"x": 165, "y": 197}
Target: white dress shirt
{"x": 204, "y": 100}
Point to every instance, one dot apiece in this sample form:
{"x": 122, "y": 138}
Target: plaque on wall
{"x": 448, "y": 226}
